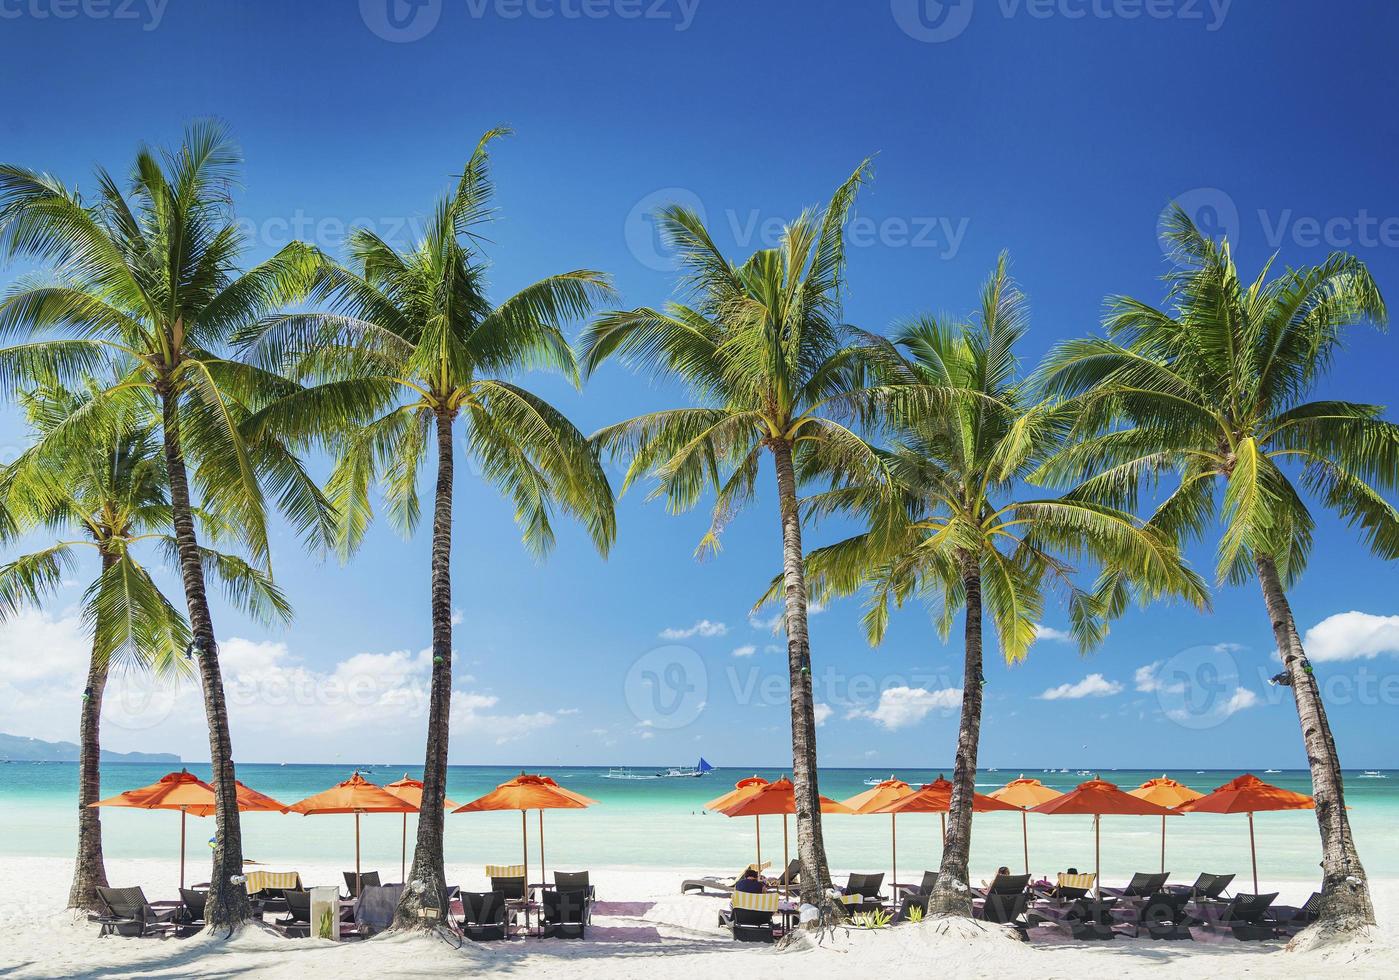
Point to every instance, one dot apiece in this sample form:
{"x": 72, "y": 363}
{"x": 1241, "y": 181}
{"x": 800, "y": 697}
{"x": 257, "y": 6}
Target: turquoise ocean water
{"x": 661, "y": 823}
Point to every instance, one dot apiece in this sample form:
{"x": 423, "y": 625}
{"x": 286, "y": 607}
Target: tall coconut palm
{"x": 960, "y": 533}
{"x": 408, "y": 344}
{"x": 111, "y": 498}
{"x": 1214, "y": 388}
{"x": 148, "y": 279}
{"x": 773, "y": 371}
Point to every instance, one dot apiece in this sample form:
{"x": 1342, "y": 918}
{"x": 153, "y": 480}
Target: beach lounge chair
{"x": 191, "y": 917}
{"x": 925, "y": 887}
{"x": 911, "y": 899}
{"x": 509, "y": 879}
{"x": 485, "y": 915}
{"x": 1245, "y": 917}
{"x": 574, "y": 880}
{"x": 1072, "y": 886}
{"x": 1000, "y": 885}
{"x": 1079, "y": 918}
{"x": 1142, "y": 885}
{"x": 788, "y": 879}
{"x": 1292, "y": 919}
{"x": 1005, "y": 909}
{"x": 866, "y": 886}
{"x": 367, "y": 879}
{"x": 565, "y": 913}
{"x": 751, "y": 917}
{"x": 721, "y": 885}
{"x": 129, "y": 914}
{"x": 374, "y": 911}
{"x": 1207, "y": 887}
{"x": 1162, "y": 915}
{"x": 297, "y": 922}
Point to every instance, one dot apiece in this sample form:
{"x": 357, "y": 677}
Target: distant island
{"x": 18, "y": 748}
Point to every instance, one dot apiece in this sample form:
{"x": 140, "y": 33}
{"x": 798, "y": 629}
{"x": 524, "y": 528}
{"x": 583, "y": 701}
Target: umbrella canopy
{"x": 776, "y": 797}
{"x": 936, "y": 797}
{"x": 528, "y": 792}
{"x": 1166, "y": 792}
{"x": 875, "y": 800}
{"x": 742, "y": 790}
{"x": 191, "y": 795}
{"x": 1099, "y": 798}
{"x": 1249, "y": 794}
{"x": 411, "y": 790}
{"x": 355, "y": 795}
{"x": 1024, "y": 793}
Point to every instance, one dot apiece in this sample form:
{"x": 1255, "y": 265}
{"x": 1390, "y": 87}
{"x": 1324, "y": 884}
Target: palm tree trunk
{"x": 227, "y": 906}
{"x": 427, "y": 851}
{"x": 811, "y": 846}
{"x": 1345, "y": 893}
{"x": 952, "y": 892}
{"x": 89, "y": 870}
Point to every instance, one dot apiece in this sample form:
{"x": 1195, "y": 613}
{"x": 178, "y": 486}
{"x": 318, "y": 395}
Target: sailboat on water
{"x": 702, "y": 768}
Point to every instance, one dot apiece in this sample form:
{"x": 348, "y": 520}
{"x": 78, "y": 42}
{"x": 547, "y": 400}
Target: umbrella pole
{"x": 1025, "y": 836}
{"x": 1163, "y": 842}
{"x": 1253, "y": 852}
{"x": 543, "y": 880}
{"x": 1098, "y": 856}
{"x": 524, "y": 842}
{"x": 758, "y": 829}
{"x": 894, "y": 852}
{"x": 786, "y": 862}
{"x": 358, "y": 883}
{"x": 403, "y": 854}
{"x": 182, "y": 847}
{"x": 942, "y": 819}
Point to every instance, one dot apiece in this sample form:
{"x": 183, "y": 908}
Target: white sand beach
{"x": 642, "y": 927}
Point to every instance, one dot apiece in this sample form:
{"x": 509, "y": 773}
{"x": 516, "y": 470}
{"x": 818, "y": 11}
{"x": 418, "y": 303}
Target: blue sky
{"x": 1056, "y": 130}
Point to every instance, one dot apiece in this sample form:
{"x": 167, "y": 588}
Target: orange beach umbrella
{"x": 355, "y": 795}
{"x": 1249, "y": 794}
{"x": 1024, "y": 793}
{"x": 189, "y": 794}
{"x": 743, "y": 789}
{"x": 529, "y": 792}
{"x": 1168, "y": 793}
{"x": 936, "y": 797}
{"x": 875, "y": 800}
{"x": 1100, "y": 797}
{"x": 776, "y": 797}
{"x": 411, "y": 790}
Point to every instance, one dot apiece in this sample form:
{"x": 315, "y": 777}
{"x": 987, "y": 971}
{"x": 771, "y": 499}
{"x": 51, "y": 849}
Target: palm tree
{"x": 772, "y": 370}
{"x": 111, "y": 498}
{"x": 958, "y": 534}
{"x": 409, "y": 344}
{"x": 148, "y": 280}
{"x": 1214, "y": 388}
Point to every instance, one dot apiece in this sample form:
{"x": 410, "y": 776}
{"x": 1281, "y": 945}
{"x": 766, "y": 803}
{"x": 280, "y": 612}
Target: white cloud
{"x": 1092, "y": 686}
{"x": 900, "y": 707}
{"x": 822, "y": 713}
{"x": 457, "y": 617}
{"x": 776, "y": 622}
{"x": 1352, "y": 636}
{"x": 747, "y": 650}
{"x": 1148, "y": 679}
{"x": 568, "y": 711}
{"x": 1240, "y": 699}
{"x": 1043, "y": 632}
{"x": 703, "y": 627}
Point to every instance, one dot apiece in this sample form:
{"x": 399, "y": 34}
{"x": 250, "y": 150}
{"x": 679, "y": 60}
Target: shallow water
{"x": 662, "y": 822}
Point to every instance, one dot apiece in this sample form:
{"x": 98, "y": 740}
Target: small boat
{"x": 1271, "y": 770}
{"x": 703, "y": 768}
{"x": 1085, "y": 772}
{"x": 875, "y": 780}
{"x": 1373, "y": 774}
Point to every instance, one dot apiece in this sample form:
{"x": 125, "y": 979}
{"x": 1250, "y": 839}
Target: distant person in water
{"x": 750, "y": 882}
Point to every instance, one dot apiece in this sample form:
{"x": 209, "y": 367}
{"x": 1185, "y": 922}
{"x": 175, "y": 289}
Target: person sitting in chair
{"x": 750, "y": 882}
{"x": 1002, "y": 870}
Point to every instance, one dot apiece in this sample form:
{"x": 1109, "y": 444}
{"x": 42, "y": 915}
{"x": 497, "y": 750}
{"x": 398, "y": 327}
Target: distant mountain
{"x": 17, "y": 748}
